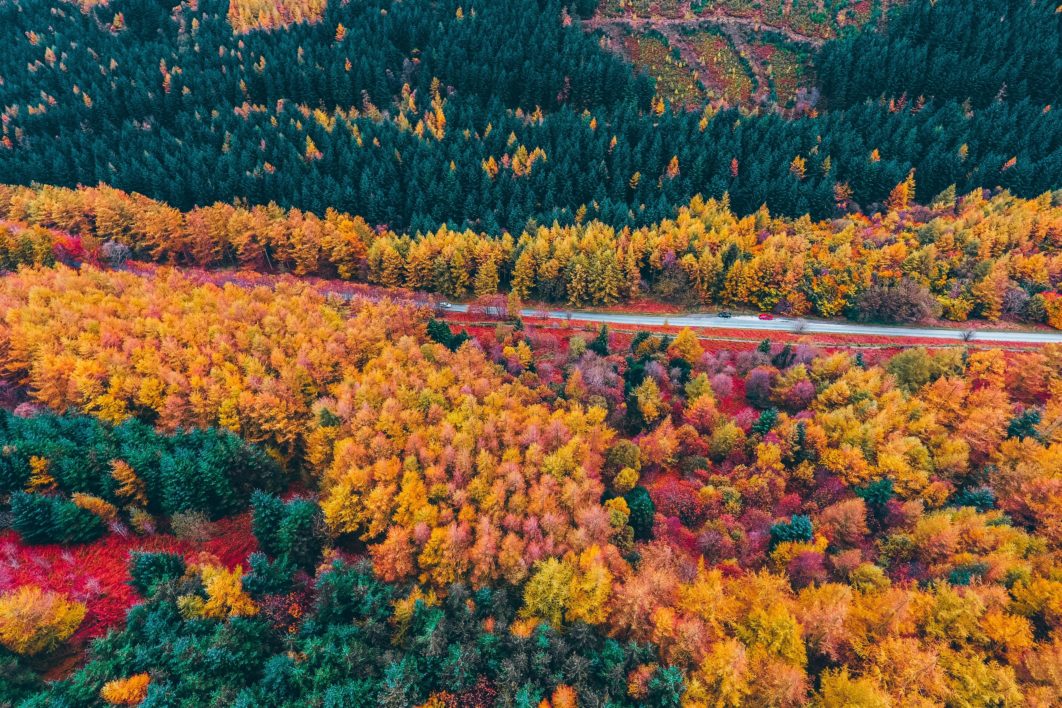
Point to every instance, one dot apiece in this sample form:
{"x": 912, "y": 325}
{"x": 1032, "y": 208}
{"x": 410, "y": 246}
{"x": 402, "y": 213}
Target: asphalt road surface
{"x": 784, "y": 324}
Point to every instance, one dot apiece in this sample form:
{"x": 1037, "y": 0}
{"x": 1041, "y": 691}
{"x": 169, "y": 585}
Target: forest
{"x": 394, "y": 111}
{"x": 251, "y": 455}
{"x": 522, "y": 515}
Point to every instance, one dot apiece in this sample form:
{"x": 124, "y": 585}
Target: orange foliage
{"x": 248, "y": 15}
{"x": 793, "y": 266}
{"x": 254, "y": 361}
{"x": 452, "y": 471}
{"x": 126, "y": 692}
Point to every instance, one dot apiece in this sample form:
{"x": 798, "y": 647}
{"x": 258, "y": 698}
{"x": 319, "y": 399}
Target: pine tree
{"x": 268, "y": 514}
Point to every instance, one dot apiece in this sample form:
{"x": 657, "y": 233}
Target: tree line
{"x": 990, "y": 256}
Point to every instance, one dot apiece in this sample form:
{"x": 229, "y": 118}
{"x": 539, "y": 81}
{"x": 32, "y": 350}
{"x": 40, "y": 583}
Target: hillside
{"x": 390, "y": 110}
{"x": 307, "y": 399}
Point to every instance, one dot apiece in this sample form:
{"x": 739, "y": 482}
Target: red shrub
{"x": 97, "y": 573}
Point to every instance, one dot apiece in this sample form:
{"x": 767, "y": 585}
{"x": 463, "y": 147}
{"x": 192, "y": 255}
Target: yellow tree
{"x": 902, "y": 194}
{"x": 33, "y": 620}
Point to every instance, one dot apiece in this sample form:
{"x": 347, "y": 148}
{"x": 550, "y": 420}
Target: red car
{"x": 766, "y": 316}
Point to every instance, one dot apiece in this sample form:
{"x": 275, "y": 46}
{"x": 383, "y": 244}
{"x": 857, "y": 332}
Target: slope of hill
{"x": 243, "y": 463}
{"x": 490, "y": 114}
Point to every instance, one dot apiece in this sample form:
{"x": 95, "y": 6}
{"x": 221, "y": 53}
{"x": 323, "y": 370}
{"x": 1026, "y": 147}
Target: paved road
{"x": 784, "y": 324}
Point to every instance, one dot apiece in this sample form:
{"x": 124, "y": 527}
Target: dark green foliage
{"x": 40, "y": 519}
{"x": 268, "y": 577}
{"x": 1024, "y": 425}
{"x": 440, "y": 332}
{"x": 643, "y": 512}
{"x": 766, "y": 422}
{"x": 351, "y": 653}
{"x": 953, "y": 49}
{"x": 293, "y": 531}
{"x": 784, "y": 358}
{"x": 269, "y": 512}
{"x": 982, "y": 498}
{"x": 328, "y": 419}
{"x": 798, "y": 528}
{"x": 666, "y": 687}
{"x": 195, "y": 144}
{"x": 877, "y": 495}
{"x": 301, "y": 535}
{"x": 764, "y": 347}
{"x": 599, "y": 344}
{"x": 208, "y": 471}
{"x": 17, "y": 681}
{"x": 148, "y": 570}
{"x": 963, "y": 574}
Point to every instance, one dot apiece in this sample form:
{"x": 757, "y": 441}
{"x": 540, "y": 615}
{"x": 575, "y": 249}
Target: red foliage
{"x": 679, "y": 499}
{"x": 807, "y": 568}
{"x": 97, "y": 573}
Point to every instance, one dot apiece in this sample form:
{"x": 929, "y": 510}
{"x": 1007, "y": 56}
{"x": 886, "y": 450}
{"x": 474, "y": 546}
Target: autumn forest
{"x": 336, "y": 366}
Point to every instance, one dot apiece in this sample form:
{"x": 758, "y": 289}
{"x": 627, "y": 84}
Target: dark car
{"x": 725, "y": 315}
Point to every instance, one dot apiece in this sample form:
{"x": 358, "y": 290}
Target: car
{"x": 766, "y": 316}
{"x": 725, "y": 315}
{"x": 444, "y": 305}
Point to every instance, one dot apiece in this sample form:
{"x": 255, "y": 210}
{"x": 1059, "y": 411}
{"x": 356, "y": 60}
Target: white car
{"x": 444, "y": 306}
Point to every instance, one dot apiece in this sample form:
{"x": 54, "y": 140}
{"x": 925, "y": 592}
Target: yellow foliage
{"x": 225, "y": 595}
{"x": 547, "y": 594}
{"x": 806, "y": 265}
{"x": 591, "y": 586}
{"x": 625, "y": 480}
{"x": 40, "y": 480}
{"x": 131, "y": 489}
{"x": 249, "y": 15}
{"x": 33, "y": 620}
{"x": 686, "y": 346}
{"x": 650, "y": 402}
{"x": 839, "y": 690}
{"x": 405, "y": 607}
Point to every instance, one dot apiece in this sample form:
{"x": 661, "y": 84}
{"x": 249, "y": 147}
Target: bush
{"x": 192, "y": 526}
{"x": 758, "y": 386}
